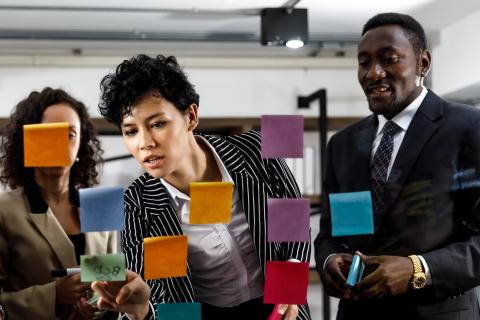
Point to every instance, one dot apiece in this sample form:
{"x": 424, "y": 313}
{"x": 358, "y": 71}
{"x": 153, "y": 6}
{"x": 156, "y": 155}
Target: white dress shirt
{"x": 225, "y": 268}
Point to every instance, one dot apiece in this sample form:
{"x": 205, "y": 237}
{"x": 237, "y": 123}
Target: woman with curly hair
{"x": 156, "y": 108}
{"x": 39, "y": 217}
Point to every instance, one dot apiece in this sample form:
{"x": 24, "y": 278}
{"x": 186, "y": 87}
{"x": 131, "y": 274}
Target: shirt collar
{"x": 404, "y": 117}
{"x": 179, "y": 195}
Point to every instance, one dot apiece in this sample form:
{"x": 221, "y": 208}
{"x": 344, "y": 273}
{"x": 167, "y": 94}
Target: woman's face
{"x": 63, "y": 113}
{"x": 158, "y": 135}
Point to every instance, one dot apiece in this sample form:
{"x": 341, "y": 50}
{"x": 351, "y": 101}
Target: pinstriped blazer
{"x": 149, "y": 212}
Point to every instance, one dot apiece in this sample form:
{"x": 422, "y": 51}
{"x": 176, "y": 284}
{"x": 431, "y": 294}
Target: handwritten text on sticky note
{"x": 102, "y": 267}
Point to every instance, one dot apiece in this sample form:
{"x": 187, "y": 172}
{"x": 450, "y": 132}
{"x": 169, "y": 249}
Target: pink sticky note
{"x": 288, "y": 220}
{"x": 282, "y": 136}
{"x": 286, "y": 282}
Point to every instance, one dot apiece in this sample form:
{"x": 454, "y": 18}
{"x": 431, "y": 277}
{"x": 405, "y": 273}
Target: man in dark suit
{"x": 419, "y": 156}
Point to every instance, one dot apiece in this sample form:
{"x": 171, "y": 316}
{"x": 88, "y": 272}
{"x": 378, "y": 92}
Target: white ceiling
{"x": 201, "y": 27}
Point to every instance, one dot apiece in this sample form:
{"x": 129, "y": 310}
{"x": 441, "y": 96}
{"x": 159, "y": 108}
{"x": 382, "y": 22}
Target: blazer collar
{"x": 38, "y": 204}
{"x": 228, "y": 153}
{"x": 35, "y": 199}
{"x": 362, "y": 157}
{"x": 48, "y": 225}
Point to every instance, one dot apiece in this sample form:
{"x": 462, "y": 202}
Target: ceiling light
{"x": 294, "y": 44}
{"x": 281, "y": 26}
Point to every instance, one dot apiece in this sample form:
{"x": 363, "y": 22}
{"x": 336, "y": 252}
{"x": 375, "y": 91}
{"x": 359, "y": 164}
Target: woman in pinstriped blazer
{"x": 156, "y": 108}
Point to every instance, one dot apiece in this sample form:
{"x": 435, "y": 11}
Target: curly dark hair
{"x": 412, "y": 28}
{"x": 141, "y": 76}
{"x": 29, "y": 111}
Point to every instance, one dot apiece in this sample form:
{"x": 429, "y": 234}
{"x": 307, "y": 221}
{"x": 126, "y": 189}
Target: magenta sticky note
{"x": 282, "y": 136}
{"x": 286, "y": 282}
{"x": 288, "y": 220}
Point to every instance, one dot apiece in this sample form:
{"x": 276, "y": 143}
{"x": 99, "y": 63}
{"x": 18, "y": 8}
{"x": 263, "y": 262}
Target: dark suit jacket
{"x": 431, "y": 207}
{"x": 149, "y": 212}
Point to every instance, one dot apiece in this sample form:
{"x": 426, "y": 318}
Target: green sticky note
{"x": 102, "y": 267}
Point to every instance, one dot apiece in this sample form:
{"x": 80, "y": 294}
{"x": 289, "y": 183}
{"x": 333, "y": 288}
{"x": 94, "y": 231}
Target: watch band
{"x": 417, "y": 264}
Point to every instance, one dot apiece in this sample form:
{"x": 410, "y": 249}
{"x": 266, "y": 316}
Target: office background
{"x": 73, "y": 44}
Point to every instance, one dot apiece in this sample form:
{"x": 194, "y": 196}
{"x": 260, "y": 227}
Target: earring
{"x": 77, "y": 159}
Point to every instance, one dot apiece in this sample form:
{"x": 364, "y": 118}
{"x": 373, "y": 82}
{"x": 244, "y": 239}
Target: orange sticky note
{"x": 165, "y": 257}
{"x": 210, "y": 202}
{"x": 46, "y": 145}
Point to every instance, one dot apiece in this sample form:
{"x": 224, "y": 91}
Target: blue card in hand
{"x": 356, "y": 271}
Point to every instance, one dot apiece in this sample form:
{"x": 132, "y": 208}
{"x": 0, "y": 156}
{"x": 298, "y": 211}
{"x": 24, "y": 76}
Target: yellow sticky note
{"x": 46, "y": 145}
{"x": 210, "y": 202}
{"x": 165, "y": 257}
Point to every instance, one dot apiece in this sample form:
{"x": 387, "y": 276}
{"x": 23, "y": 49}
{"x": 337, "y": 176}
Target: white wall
{"x": 224, "y": 92}
{"x": 456, "y": 66}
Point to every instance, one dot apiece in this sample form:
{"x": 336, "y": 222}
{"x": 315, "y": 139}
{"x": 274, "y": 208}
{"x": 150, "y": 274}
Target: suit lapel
{"x": 362, "y": 158}
{"x": 47, "y": 224}
{"x": 421, "y": 129}
{"x": 161, "y": 214}
{"x": 53, "y": 232}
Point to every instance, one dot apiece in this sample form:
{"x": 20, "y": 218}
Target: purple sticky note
{"x": 288, "y": 220}
{"x": 282, "y": 136}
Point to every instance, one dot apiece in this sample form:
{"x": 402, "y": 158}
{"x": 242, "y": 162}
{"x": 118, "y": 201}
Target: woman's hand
{"x": 130, "y": 297}
{"x": 69, "y": 290}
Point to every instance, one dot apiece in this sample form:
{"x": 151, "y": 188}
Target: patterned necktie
{"x": 380, "y": 163}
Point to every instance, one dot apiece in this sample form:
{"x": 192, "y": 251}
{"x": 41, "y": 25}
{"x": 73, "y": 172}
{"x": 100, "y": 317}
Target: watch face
{"x": 419, "y": 281}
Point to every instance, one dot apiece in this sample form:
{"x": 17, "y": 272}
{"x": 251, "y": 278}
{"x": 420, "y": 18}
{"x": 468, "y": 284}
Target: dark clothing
{"x": 253, "y": 309}
{"x": 431, "y": 207}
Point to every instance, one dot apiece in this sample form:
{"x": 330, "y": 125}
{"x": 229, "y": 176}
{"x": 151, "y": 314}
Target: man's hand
{"x": 334, "y": 275}
{"x": 130, "y": 297}
{"x": 390, "y": 278}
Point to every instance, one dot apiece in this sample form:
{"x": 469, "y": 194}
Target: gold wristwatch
{"x": 419, "y": 279}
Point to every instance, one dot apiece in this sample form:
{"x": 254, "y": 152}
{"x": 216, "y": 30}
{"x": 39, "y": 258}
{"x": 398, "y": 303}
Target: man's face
{"x": 388, "y": 68}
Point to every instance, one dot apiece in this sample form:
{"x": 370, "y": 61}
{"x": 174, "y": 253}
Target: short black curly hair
{"x": 141, "y": 76}
{"x": 83, "y": 174}
{"x": 412, "y": 28}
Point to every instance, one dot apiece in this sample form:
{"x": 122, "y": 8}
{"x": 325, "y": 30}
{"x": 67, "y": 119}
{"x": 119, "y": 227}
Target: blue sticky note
{"x": 356, "y": 271}
{"x": 101, "y": 209}
{"x": 351, "y": 213}
{"x": 178, "y": 311}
